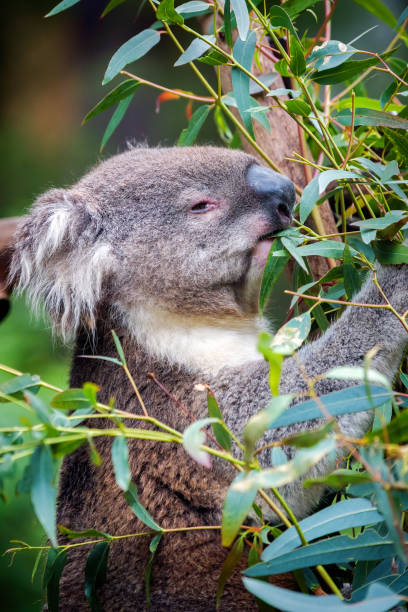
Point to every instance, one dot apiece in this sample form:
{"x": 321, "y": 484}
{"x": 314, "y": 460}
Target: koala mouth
{"x": 261, "y": 250}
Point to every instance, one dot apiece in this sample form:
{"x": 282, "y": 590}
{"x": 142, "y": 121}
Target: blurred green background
{"x": 52, "y": 70}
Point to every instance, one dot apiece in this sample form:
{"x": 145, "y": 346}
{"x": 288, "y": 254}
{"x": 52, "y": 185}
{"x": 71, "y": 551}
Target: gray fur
{"x": 121, "y": 250}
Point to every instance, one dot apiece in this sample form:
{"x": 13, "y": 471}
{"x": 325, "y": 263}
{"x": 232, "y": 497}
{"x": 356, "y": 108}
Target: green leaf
{"x": 280, "y": 19}
{"x": 290, "y": 246}
{"x": 142, "y": 514}
{"x": 298, "y": 107}
{"x": 237, "y": 506}
{"x": 167, "y": 13}
{"x": 266, "y": 79}
{"x": 368, "y": 546}
{"x": 119, "y": 348}
{"x": 297, "y": 57}
{"x": 371, "y": 117}
{"x": 227, "y": 23}
{"x": 110, "y": 6}
{"x": 273, "y": 269}
{"x": 189, "y": 134}
{"x": 295, "y": 7}
{"x": 95, "y": 573}
{"x": 62, "y": 6}
{"x": 262, "y": 420}
{"x": 71, "y": 399}
{"x": 328, "y": 176}
{"x": 87, "y": 533}
{"x": 400, "y": 142}
{"x": 194, "y": 437}
{"x": 390, "y": 252}
{"x": 195, "y": 8}
{"x": 379, "y": 598}
{"x": 309, "y": 198}
{"x": 339, "y": 479}
{"x": 120, "y": 460}
{"x": 195, "y": 49}
{"x": 242, "y": 18}
{"x": 330, "y": 54}
{"x": 43, "y": 412}
{"x": 291, "y": 335}
{"x": 284, "y": 474}
{"x": 90, "y": 392}
{"x": 43, "y": 490}
{"x": 130, "y": 51}
{"x": 378, "y": 8}
{"x": 148, "y": 571}
{"x": 346, "y": 71}
{"x": 352, "y": 281}
{"x": 16, "y": 385}
{"x": 221, "y": 435}
{"x": 214, "y": 58}
{"x": 397, "y": 430}
{"x": 402, "y": 17}
{"x": 115, "y": 120}
{"x": 119, "y": 93}
{"x": 324, "y": 248}
{"x": 345, "y": 514}
{"x": 306, "y": 439}
{"x": 282, "y": 91}
{"x": 243, "y": 52}
{"x": 231, "y": 562}
{"x": 346, "y": 401}
{"x": 56, "y": 561}
{"x": 358, "y": 373}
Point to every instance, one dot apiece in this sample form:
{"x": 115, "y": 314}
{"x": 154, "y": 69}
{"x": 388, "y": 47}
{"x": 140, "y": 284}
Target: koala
{"x": 167, "y": 246}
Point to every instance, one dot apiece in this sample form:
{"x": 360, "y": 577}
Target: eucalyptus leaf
{"x": 132, "y": 498}
{"x": 62, "y": 6}
{"x": 194, "y": 437}
{"x": 273, "y": 269}
{"x": 371, "y": 117}
{"x": 120, "y": 460}
{"x": 189, "y": 134}
{"x": 95, "y": 573}
{"x": 243, "y": 52}
{"x": 346, "y": 401}
{"x": 44, "y": 491}
{"x": 242, "y": 18}
{"x": 115, "y": 120}
{"x": 119, "y": 93}
{"x": 343, "y": 515}
{"x": 56, "y": 562}
{"x": 167, "y": 13}
{"x": 237, "y": 506}
{"x": 130, "y": 51}
{"x": 195, "y": 50}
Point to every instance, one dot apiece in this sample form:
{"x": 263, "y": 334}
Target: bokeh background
{"x": 51, "y": 74}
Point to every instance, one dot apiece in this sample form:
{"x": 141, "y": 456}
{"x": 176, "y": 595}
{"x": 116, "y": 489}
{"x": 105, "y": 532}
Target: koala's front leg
{"x": 345, "y": 343}
{"x": 357, "y": 331}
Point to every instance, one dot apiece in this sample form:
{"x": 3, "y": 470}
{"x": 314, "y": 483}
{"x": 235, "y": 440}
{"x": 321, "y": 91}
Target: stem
{"x": 177, "y": 92}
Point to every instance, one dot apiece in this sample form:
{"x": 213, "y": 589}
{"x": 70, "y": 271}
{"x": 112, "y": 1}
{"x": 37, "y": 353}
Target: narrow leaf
{"x": 221, "y": 435}
{"x": 142, "y": 514}
{"x": 233, "y": 558}
{"x": 130, "y": 51}
{"x": 379, "y": 599}
{"x": 297, "y": 57}
{"x": 194, "y": 437}
{"x": 346, "y": 401}
{"x": 189, "y": 134}
{"x": 195, "y": 49}
{"x": 309, "y": 198}
{"x": 95, "y": 573}
{"x": 378, "y": 8}
{"x": 352, "y": 281}
{"x": 43, "y": 490}
{"x": 115, "y": 120}
{"x": 52, "y": 582}
{"x": 167, "y": 13}
{"x": 390, "y": 252}
{"x": 62, "y": 6}
{"x": 120, "y": 460}
{"x": 371, "y": 117}
{"x": 241, "y": 15}
{"x": 110, "y": 6}
{"x": 148, "y": 572}
{"x": 237, "y": 506}
{"x": 116, "y": 95}
{"x": 349, "y": 513}
{"x": 243, "y": 52}
{"x": 273, "y": 269}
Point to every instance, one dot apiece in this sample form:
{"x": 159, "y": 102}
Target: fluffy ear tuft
{"x": 59, "y": 260}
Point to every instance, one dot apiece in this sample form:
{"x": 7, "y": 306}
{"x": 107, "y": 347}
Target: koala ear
{"x": 59, "y": 260}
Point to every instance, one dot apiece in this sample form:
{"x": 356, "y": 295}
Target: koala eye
{"x": 202, "y": 207}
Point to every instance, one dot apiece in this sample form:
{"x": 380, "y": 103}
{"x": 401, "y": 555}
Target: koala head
{"x": 183, "y": 229}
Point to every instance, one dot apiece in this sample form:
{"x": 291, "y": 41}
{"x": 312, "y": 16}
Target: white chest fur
{"x": 192, "y": 343}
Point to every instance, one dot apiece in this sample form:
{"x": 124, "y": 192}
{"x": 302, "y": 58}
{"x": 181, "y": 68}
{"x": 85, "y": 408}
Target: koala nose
{"x": 276, "y": 192}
